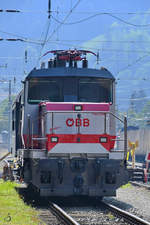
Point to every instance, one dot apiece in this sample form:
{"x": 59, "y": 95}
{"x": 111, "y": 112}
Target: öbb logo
{"x": 77, "y": 122}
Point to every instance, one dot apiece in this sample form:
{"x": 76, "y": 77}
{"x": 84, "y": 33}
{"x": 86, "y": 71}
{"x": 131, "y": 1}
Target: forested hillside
{"x": 125, "y": 51}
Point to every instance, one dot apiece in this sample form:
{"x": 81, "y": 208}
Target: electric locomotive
{"x": 64, "y": 129}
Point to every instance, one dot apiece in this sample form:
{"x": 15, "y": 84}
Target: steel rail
{"x": 2, "y": 158}
{"x": 62, "y": 215}
{"x": 128, "y": 217}
{"x": 146, "y": 186}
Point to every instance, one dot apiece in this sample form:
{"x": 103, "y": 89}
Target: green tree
{"x": 4, "y": 108}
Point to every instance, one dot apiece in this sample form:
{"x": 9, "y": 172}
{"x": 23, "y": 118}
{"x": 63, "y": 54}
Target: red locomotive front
{"x": 78, "y": 128}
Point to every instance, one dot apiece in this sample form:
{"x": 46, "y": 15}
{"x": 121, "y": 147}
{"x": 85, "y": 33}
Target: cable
{"x": 22, "y": 38}
{"x": 136, "y": 61}
{"x": 57, "y": 28}
{"x": 109, "y": 41}
{"x": 120, "y": 50}
{"x": 141, "y": 79}
{"x": 39, "y": 42}
{"x": 136, "y": 25}
{"x": 66, "y": 17}
{"x": 15, "y": 35}
{"x": 43, "y": 43}
{"x": 64, "y": 12}
{"x": 16, "y": 57}
{"x": 96, "y": 49}
{"x": 47, "y": 30}
{"x": 63, "y": 42}
{"x": 134, "y": 99}
{"x": 98, "y": 14}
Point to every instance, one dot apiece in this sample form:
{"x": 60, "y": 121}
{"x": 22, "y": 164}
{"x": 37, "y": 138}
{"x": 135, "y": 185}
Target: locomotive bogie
{"x": 65, "y": 176}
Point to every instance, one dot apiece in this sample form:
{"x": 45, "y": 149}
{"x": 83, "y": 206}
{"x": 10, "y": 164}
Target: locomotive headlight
{"x": 103, "y": 139}
{"x": 54, "y": 139}
{"x": 78, "y": 107}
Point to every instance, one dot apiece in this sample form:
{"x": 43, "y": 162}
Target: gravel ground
{"x": 47, "y": 217}
{"x": 133, "y": 199}
{"x": 85, "y": 211}
{"x": 94, "y": 216}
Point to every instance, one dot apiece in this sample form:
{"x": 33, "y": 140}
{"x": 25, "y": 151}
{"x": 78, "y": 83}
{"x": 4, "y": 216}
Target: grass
{"x": 126, "y": 185}
{"x": 13, "y": 210}
{"x": 110, "y": 216}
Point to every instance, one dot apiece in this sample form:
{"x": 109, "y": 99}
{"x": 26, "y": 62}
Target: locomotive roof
{"x": 70, "y": 72}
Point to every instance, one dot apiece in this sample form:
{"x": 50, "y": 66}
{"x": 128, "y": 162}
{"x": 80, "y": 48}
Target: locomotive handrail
{"x": 105, "y": 113}
{"x": 116, "y": 117}
{"x": 71, "y": 111}
{"x": 117, "y": 139}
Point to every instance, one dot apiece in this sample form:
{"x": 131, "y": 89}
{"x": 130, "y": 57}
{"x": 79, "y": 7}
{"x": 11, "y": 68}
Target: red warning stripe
{"x": 69, "y": 106}
{"x": 81, "y": 138}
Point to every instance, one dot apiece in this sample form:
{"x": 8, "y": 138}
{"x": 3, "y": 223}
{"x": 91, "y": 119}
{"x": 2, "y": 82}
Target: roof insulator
{"x": 26, "y": 56}
{"x": 84, "y": 63}
{"x": 12, "y": 10}
{"x": 11, "y": 39}
{"x": 50, "y": 63}
{"x": 103, "y": 68}
{"x": 49, "y": 9}
{"x": 42, "y": 65}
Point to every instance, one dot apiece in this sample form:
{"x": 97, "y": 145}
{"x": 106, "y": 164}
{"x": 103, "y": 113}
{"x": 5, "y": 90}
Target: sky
{"x": 32, "y": 24}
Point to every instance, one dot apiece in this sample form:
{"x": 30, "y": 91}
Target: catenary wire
{"x": 136, "y": 61}
{"x": 66, "y": 17}
{"x": 66, "y": 12}
{"x": 48, "y": 26}
{"x": 109, "y": 41}
{"x": 39, "y": 42}
{"x": 98, "y": 14}
{"x": 57, "y": 28}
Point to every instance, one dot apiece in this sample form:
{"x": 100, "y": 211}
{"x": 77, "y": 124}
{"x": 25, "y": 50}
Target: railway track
{"x": 128, "y": 217}
{"x": 114, "y": 215}
{"x": 79, "y": 211}
{"x": 145, "y": 185}
{"x": 62, "y": 215}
